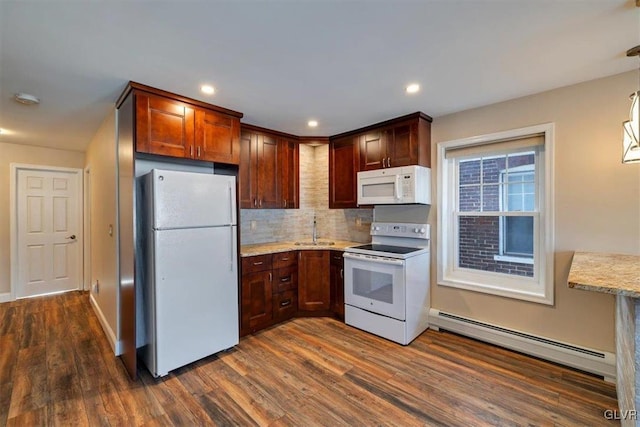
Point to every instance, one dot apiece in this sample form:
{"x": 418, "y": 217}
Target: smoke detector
{"x": 26, "y": 99}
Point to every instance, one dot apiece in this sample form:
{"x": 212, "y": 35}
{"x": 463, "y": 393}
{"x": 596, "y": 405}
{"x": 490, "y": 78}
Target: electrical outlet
{"x": 96, "y": 287}
{"x": 253, "y": 225}
{"x": 358, "y": 221}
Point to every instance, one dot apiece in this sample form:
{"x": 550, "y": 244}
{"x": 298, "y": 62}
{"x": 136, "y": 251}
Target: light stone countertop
{"x": 274, "y": 247}
{"x": 609, "y": 273}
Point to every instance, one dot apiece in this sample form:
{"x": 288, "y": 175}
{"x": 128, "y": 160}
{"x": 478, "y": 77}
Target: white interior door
{"x": 48, "y": 226}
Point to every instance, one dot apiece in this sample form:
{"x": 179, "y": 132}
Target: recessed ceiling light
{"x": 208, "y": 89}
{"x": 413, "y": 88}
{"x": 312, "y": 123}
{"x": 26, "y": 99}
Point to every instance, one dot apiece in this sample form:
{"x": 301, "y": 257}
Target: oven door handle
{"x": 374, "y": 259}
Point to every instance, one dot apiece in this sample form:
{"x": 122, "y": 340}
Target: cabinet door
{"x": 257, "y": 299}
{"x": 164, "y": 126}
{"x": 402, "y": 145}
{"x": 217, "y": 137}
{"x": 336, "y": 277}
{"x": 247, "y": 171}
{"x": 373, "y": 151}
{"x": 313, "y": 281}
{"x": 268, "y": 172}
{"x": 289, "y": 174}
{"x": 343, "y": 169}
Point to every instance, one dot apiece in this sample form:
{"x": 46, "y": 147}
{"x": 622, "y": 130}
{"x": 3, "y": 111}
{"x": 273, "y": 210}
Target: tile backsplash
{"x": 273, "y": 225}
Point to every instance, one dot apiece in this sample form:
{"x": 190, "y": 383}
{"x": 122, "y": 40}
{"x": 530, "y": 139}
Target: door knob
{"x": 72, "y": 237}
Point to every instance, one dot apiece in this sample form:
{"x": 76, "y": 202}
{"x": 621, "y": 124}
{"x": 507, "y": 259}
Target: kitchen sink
{"x": 317, "y": 243}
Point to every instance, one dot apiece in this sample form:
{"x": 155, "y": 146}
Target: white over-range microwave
{"x": 395, "y": 186}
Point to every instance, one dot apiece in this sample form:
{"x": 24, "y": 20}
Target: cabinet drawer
{"x": 284, "y": 259}
{"x": 285, "y": 279}
{"x": 285, "y": 305}
{"x": 336, "y": 257}
{"x": 256, "y": 263}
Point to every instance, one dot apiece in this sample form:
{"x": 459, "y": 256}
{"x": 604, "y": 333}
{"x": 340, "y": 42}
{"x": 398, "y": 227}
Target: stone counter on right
{"x": 619, "y": 275}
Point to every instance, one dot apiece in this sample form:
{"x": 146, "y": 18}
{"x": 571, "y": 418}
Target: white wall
{"x": 101, "y": 161}
{"x": 29, "y": 154}
{"x": 596, "y": 206}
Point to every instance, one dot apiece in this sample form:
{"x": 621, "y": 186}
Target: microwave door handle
{"x": 398, "y": 187}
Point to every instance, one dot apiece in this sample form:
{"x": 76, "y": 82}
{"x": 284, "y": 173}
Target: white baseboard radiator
{"x": 586, "y": 359}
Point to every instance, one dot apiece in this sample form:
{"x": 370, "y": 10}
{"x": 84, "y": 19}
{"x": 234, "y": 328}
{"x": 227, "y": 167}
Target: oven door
{"x": 375, "y": 284}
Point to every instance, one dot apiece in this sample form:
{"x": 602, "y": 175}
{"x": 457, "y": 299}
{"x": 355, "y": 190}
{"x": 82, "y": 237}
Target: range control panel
{"x": 394, "y": 229}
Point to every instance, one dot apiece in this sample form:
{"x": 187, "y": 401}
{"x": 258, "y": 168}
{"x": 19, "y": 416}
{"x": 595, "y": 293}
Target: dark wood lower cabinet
{"x": 313, "y": 286}
{"x": 256, "y": 301}
{"x": 287, "y": 284}
{"x": 336, "y": 283}
{"x": 285, "y": 305}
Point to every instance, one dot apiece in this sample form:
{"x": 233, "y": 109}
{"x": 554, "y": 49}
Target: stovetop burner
{"x": 395, "y": 240}
{"x": 387, "y": 248}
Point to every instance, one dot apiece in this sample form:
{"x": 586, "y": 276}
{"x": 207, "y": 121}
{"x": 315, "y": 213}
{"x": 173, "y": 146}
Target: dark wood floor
{"x": 56, "y": 368}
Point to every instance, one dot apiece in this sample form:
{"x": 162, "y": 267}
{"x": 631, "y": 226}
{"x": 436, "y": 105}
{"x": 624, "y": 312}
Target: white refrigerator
{"x": 190, "y": 274}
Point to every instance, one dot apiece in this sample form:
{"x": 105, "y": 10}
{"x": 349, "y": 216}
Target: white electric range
{"x": 387, "y": 281}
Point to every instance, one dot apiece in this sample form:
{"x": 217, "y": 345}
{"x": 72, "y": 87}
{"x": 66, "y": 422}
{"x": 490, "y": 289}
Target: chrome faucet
{"x": 315, "y": 230}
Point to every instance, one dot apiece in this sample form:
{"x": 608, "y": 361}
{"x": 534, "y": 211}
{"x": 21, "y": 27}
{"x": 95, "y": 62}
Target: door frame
{"x": 86, "y": 252}
{"x": 13, "y": 217}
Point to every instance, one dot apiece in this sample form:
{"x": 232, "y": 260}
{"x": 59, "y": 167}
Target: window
{"x": 495, "y": 229}
{"x": 517, "y": 195}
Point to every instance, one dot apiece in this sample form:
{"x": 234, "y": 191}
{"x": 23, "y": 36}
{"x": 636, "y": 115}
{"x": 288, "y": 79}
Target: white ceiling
{"x": 281, "y": 63}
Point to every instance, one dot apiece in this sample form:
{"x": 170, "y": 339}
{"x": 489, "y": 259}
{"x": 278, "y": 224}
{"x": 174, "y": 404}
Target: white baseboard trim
{"x": 111, "y": 336}
{"x": 5, "y": 297}
{"x": 586, "y": 359}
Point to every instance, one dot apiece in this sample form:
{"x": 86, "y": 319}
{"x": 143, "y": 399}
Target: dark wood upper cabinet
{"x": 343, "y": 167}
{"x": 268, "y": 172}
{"x": 399, "y": 142}
{"x": 172, "y": 125}
{"x": 289, "y": 156}
{"x": 313, "y": 281}
{"x": 164, "y": 126}
{"x": 402, "y": 145}
{"x": 248, "y": 172}
{"x": 402, "y": 141}
{"x": 218, "y": 136}
{"x": 373, "y": 152}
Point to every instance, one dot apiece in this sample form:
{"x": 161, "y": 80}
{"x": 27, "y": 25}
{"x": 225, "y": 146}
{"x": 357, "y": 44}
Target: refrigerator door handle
{"x": 231, "y": 250}
{"x": 231, "y": 207}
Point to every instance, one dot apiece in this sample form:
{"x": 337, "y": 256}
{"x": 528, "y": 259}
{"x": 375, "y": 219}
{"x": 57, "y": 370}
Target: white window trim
{"x": 538, "y": 289}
